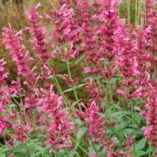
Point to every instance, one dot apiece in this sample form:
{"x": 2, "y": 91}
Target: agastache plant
{"x": 38, "y": 33}
{"x": 13, "y": 43}
{"x": 3, "y": 98}
{"x": 85, "y": 84}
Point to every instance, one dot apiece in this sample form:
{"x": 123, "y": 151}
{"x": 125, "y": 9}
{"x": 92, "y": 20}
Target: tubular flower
{"x": 110, "y": 29}
{"x": 3, "y": 125}
{"x": 97, "y": 128}
{"x": 66, "y": 31}
{"x": 38, "y": 33}
{"x": 150, "y": 114}
{"x": 60, "y": 127}
{"x": 13, "y": 43}
{"x": 4, "y": 97}
{"x": 127, "y": 59}
{"x": 151, "y": 21}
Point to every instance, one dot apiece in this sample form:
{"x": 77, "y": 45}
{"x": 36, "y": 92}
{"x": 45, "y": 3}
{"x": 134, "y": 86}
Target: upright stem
{"x": 133, "y": 130}
{"x": 61, "y": 92}
{"x": 128, "y": 10}
{"x": 136, "y": 13}
{"x": 73, "y": 87}
{"x": 76, "y": 142}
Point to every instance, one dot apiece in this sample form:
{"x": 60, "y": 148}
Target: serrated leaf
{"x": 78, "y": 122}
{"x": 104, "y": 103}
{"x": 40, "y": 151}
{"x": 119, "y": 114}
{"x": 12, "y": 105}
{"x": 76, "y": 87}
{"x": 141, "y": 144}
{"x": 141, "y": 153}
{"x": 81, "y": 132}
{"x": 127, "y": 131}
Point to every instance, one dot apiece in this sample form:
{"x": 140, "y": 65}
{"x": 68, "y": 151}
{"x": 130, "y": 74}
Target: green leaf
{"x": 4, "y": 150}
{"x": 41, "y": 151}
{"x": 81, "y": 132}
{"x": 78, "y": 122}
{"x": 12, "y": 105}
{"x": 127, "y": 131}
{"x": 120, "y": 114}
{"x": 2, "y": 155}
{"x": 76, "y": 87}
{"x": 141, "y": 153}
{"x": 141, "y": 144}
{"x": 104, "y": 103}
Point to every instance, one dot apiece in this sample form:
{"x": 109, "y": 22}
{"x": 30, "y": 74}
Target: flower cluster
{"x": 60, "y": 126}
{"x": 3, "y": 95}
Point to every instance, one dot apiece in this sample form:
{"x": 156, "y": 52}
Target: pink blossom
{"x": 38, "y": 33}
{"x": 13, "y": 43}
{"x": 3, "y": 124}
{"x": 97, "y": 127}
{"x": 3, "y": 72}
{"x": 122, "y": 92}
{"x": 93, "y": 154}
{"x": 60, "y": 127}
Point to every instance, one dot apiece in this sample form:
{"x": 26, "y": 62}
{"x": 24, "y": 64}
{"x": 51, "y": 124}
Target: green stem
{"x": 73, "y": 87}
{"x": 128, "y": 10}
{"x": 61, "y": 92}
{"x": 77, "y": 154}
{"x": 139, "y": 12}
{"x": 133, "y": 130}
{"x": 136, "y": 13}
{"x": 73, "y": 139}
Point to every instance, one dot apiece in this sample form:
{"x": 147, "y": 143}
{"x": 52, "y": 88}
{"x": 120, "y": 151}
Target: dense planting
{"x": 84, "y": 84}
